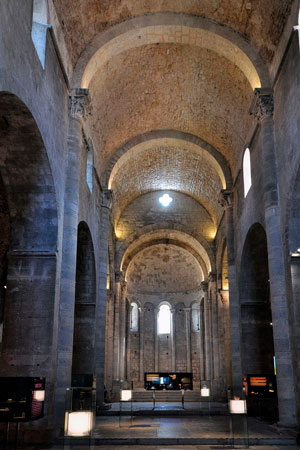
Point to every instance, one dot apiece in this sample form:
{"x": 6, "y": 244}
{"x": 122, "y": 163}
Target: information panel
{"x": 172, "y": 381}
{"x": 21, "y": 398}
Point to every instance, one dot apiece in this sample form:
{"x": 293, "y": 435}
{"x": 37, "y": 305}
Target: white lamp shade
{"x": 78, "y": 423}
{"x": 205, "y": 392}
{"x": 126, "y": 395}
{"x": 39, "y": 396}
{"x": 238, "y": 407}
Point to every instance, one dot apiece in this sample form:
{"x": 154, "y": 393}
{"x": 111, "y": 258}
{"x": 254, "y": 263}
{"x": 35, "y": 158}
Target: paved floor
{"x": 195, "y": 432}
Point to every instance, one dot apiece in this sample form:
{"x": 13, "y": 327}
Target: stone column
{"x": 202, "y": 341}
{"x": 141, "y": 330}
{"x": 128, "y": 340}
{"x": 155, "y": 340}
{"x": 226, "y": 200}
{"x": 187, "y": 312}
{"x": 123, "y": 329}
{"x": 79, "y": 108}
{"x": 109, "y": 351}
{"x": 104, "y": 207}
{"x": 173, "y": 347}
{"x": 207, "y": 346}
{"x": 117, "y": 299}
{"x": 215, "y": 327}
{"x": 262, "y": 108}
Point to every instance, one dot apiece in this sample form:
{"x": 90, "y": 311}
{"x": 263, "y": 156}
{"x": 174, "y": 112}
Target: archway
{"x": 256, "y": 316}
{"x": 85, "y": 304}
{"x": 28, "y": 195}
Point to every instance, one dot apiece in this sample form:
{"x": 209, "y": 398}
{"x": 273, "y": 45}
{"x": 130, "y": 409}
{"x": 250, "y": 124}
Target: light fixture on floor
{"x": 78, "y": 423}
{"x": 126, "y": 395}
{"x": 238, "y": 407}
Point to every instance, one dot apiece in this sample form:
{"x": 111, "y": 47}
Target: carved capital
{"x": 262, "y": 104}
{"x": 226, "y": 198}
{"x": 212, "y": 277}
{"x": 119, "y": 277}
{"x": 80, "y": 103}
{"x": 106, "y": 199}
{"x": 204, "y": 286}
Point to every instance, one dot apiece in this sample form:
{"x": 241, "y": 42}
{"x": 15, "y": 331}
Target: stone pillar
{"x": 214, "y": 327}
{"x": 207, "y": 347}
{"x": 123, "y": 329}
{"x": 104, "y": 207}
{"x": 79, "y": 108}
{"x": 141, "y": 329}
{"x": 262, "y": 108}
{"x": 187, "y": 312}
{"x": 109, "y": 350}
{"x": 173, "y": 332}
{"x": 226, "y": 200}
{"x": 117, "y": 300}
{"x": 202, "y": 341}
{"x": 128, "y": 341}
{"x": 155, "y": 339}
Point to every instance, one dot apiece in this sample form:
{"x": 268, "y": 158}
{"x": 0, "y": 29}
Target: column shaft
{"x": 187, "y": 312}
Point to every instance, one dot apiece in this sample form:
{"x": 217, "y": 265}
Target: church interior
{"x": 149, "y": 206}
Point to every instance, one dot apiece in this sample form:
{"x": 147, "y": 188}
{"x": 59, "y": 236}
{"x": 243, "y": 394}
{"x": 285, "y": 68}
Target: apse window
{"x": 134, "y": 317}
{"x": 39, "y": 28}
{"x": 247, "y": 172}
{"x": 164, "y": 320}
{"x": 165, "y": 200}
{"x": 196, "y": 318}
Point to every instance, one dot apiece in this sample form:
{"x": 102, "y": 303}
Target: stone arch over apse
{"x": 173, "y": 28}
{"x": 85, "y": 303}
{"x": 31, "y": 200}
{"x": 256, "y": 315}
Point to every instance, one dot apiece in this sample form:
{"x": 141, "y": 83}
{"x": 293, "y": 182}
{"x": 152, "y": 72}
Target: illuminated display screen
{"x": 170, "y": 381}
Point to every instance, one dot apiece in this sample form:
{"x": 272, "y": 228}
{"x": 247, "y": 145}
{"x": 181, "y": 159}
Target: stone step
{"x": 166, "y": 396}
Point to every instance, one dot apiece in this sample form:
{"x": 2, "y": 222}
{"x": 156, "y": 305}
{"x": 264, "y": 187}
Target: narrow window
{"x": 195, "y": 317}
{"x": 39, "y": 28}
{"x": 247, "y": 171}
{"x": 164, "y": 320}
{"x": 134, "y": 317}
{"x": 90, "y": 166}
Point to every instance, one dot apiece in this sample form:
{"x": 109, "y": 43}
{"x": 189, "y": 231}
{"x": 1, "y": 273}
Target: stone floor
{"x": 186, "y": 433}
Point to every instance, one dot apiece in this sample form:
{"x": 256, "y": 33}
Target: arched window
{"x": 89, "y": 166}
{"x": 39, "y": 28}
{"x": 134, "y": 317}
{"x": 225, "y": 284}
{"x": 196, "y": 317}
{"x": 247, "y": 171}
{"x": 164, "y": 320}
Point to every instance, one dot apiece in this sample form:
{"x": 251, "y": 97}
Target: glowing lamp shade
{"x": 238, "y": 407}
{"x": 205, "y": 392}
{"x": 39, "y": 396}
{"x": 165, "y": 200}
{"x": 78, "y": 423}
{"x": 126, "y": 395}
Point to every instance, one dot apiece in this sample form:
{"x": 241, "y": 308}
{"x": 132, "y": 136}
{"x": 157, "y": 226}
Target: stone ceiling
{"x": 184, "y": 66}
{"x": 170, "y": 86}
{"x": 167, "y": 167}
{"x": 260, "y": 21}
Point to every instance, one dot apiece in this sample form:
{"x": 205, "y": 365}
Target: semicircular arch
{"x": 173, "y": 28}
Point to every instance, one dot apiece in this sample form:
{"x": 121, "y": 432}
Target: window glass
{"x": 195, "y": 317}
{"x": 247, "y": 171}
{"x": 134, "y": 317}
{"x": 164, "y": 320}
